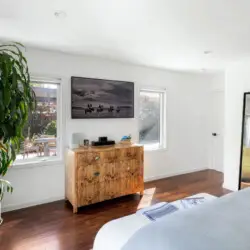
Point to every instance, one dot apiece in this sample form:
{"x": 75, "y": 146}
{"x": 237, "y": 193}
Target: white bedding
{"x": 222, "y": 224}
{"x": 115, "y": 234}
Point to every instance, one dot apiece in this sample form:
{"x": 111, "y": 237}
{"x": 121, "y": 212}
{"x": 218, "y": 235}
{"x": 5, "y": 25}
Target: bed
{"x": 222, "y": 224}
{"x": 115, "y": 234}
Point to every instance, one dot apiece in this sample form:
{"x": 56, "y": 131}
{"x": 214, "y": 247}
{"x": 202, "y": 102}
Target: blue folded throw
{"x": 156, "y": 213}
{"x": 161, "y": 209}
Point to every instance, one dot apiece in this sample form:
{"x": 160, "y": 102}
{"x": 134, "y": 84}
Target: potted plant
{"x": 17, "y": 99}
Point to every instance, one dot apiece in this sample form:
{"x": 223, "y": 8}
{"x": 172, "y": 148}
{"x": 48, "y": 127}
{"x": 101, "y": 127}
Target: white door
{"x": 217, "y": 130}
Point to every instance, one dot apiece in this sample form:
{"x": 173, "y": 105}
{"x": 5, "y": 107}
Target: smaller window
{"x": 152, "y": 119}
{"x": 41, "y": 132}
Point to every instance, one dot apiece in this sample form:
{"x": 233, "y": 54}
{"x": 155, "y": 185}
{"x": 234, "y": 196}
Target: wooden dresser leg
{"x": 75, "y": 209}
{"x": 141, "y": 192}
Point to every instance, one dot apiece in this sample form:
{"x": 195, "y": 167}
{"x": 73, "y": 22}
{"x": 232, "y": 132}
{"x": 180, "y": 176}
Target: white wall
{"x": 237, "y": 82}
{"x": 218, "y": 82}
{"x": 187, "y": 126}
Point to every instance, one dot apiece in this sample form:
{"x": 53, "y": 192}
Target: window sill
{"x": 37, "y": 163}
{"x": 147, "y": 148}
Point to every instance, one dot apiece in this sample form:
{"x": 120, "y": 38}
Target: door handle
{"x": 215, "y": 134}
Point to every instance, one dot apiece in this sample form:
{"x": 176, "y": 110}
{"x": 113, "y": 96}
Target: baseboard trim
{"x": 13, "y": 207}
{"x": 158, "y": 177}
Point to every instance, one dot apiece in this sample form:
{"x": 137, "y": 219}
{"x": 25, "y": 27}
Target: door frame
{"x": 242, "y": 137}
{"x": 216, "y": 90}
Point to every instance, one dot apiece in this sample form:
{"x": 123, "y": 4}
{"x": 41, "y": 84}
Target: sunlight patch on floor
{"x": 39, "y": 242}
{"x": 147, "y": 198}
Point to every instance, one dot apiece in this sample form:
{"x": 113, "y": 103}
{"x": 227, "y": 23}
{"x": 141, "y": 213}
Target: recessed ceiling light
{"x": 60, "y": 14}
{"x": 207, "y": 52}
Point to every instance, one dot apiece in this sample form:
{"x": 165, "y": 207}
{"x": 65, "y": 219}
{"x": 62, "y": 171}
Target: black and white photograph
{"x": 98, "y": 98}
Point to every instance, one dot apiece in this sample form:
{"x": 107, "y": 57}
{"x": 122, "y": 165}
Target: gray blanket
{"x": 222, "y": 224}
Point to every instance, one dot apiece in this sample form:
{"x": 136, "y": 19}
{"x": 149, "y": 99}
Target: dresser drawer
{"x": 92, "y": 174}
{"x": 88, "y": 194}
{"x": 132, "y": 184}
{"x": 98, "y": 191}
{"x": 88, "y": 158}
{"x": 91, "y": 158}
{"x": 125, "y": 154}
{"x": 111, "y": 172}
{"x": 130, "y": 168}
{"x": 110, "y": 189}
{"x": 108, "y": 156}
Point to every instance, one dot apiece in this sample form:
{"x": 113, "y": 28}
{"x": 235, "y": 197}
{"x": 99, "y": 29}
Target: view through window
{"x": 151, "y": 119}
{"x": 40, "y": 132}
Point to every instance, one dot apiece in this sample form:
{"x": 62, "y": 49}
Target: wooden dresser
{"x": 102, "y": 173}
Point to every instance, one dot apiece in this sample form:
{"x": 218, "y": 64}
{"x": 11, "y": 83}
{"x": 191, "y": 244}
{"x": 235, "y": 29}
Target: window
{"x": 152, "y": 119}
{"x": 41, "y": 132}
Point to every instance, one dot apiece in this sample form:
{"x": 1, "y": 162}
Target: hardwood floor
{"x": 53, "y": 226}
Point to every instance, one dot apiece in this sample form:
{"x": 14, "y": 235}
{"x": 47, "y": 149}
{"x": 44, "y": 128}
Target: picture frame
{"x": 93, "y": 98}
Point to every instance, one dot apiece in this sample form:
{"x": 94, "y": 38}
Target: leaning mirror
{"x": 244, "y": 178}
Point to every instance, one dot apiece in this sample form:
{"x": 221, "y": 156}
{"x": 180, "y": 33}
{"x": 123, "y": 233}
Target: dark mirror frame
{"x": 242, "y": 137}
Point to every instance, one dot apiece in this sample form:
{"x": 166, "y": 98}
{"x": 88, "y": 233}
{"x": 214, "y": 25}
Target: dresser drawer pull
{"x": 96, "y": 173}
{"x": 97, "y": 158}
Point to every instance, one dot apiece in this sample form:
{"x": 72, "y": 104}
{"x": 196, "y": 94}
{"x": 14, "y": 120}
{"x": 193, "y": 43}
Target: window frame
{"x": 163, "y": 118}
{"x": 58, "y": 159}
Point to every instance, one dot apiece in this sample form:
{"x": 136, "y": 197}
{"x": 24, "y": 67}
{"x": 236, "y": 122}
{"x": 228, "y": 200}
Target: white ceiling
{"x": 162, "y": 33}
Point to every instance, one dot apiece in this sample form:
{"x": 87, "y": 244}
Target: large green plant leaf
{"x": 17, "y": 99}
{"x": 5, "y": 186}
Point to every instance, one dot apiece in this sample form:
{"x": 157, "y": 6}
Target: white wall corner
{"x": 229, "y": 187}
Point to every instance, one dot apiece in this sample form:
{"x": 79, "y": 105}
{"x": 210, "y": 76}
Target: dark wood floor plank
{"x": 53, "y": 226}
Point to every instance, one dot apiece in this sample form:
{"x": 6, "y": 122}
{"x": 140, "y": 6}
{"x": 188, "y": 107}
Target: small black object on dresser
{"x": 102, "y": 141}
